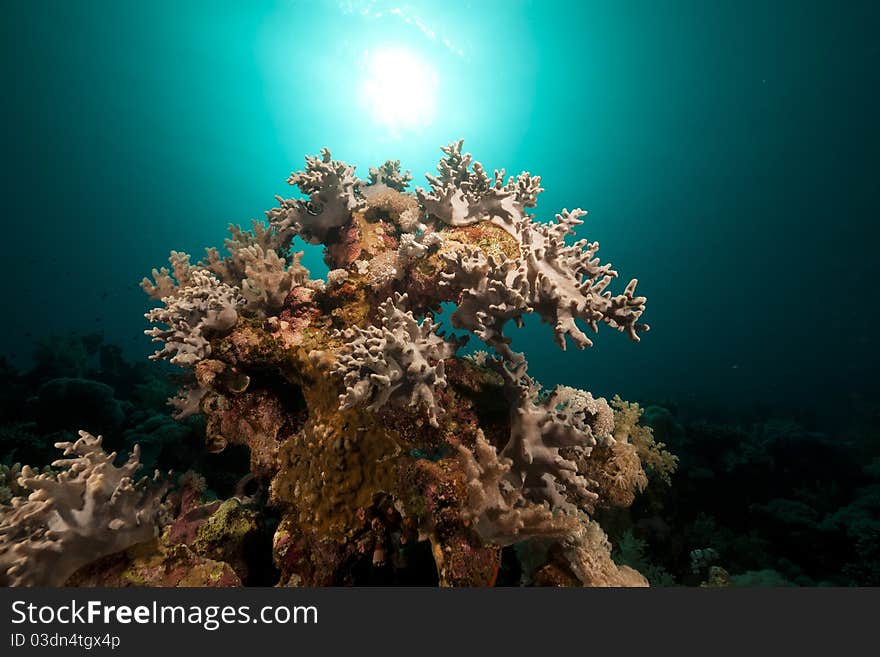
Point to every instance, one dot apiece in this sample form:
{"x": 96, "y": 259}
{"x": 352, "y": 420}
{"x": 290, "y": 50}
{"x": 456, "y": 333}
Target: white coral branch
{"x": 549, "y": 435}
{"x": 89, "y": 510}
{"x": 497, "y": 511}
{"x": 398, "y": 362}
{"x": 390, "y": 175}
{"x": 199, "y": 311}
{"x": 460, "y": 196}
{"x": 333, "y": 194}
{"x": 164, "y": 284}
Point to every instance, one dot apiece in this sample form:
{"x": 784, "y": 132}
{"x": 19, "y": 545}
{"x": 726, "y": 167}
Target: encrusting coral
{"x": 369, "y": 436}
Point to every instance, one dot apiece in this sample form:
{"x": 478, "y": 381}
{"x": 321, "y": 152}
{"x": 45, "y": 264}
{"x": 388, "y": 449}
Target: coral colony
{"x": 369, "y": 433}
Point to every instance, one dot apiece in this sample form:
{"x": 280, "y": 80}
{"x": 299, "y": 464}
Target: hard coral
{"x": 460, "y": 196}
{"x": 390, "y": 175}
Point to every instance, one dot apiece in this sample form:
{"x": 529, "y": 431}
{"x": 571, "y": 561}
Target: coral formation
{"x": 810, "y": 514}
{"x": 399, "y": 361}
{"x": 367, "y": 429}
{"x": 627, "y": 430}
{"x": 366, "y": 442}
{"x": 88, "y": 510}
{"x": 199, "y": 308}
{"x": 390, "y": 175}
{"x": 560, "y": 282}
{"x": 333, "y": 194}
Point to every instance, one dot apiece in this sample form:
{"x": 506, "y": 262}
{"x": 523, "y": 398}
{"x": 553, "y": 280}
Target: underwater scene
{"x": 312, "y": 294}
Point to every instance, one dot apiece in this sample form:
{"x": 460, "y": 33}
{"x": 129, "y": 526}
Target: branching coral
{"x": 204, "y": 301}
{"x": 460, "y": 196}
{"x": 540, "y": 429}
{"x": 566, "y": 282}
{"x": 390, "y": 175}
{"x": 253, "y": 264}
{"x": 400, "y": 361}
{"x": 268, "y": 280}
{"x": 492, "y": 292}
{"x": 499, "y": 512}
{"x": 9, "y": 482}
{"x": 370, "y": 433}
{"x": 198, "y": 311}
{"x": 90, "y": 509}
{"x": 333, "y": 194}
{"x": 167, "y": 283}
{"x": 653, "y": 455}
{"x": 561, "y": 283}
{"x": 231, "y": 269}
{"x": 546, "y": 473}
{"x": 588, "y": 554}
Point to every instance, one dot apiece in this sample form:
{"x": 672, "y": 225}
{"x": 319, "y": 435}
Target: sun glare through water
{"x": 399, "y": 89}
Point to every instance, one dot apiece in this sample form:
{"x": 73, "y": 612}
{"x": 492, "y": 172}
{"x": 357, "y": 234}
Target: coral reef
{"x": 340, "y": 436}
{"x": 752, "y": 504}
{"x": 367, "y": 431}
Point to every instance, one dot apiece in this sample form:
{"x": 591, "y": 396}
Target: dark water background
{"x": 727, "y": 153}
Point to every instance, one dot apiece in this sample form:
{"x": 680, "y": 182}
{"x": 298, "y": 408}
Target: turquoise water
{"x": 726, "y": 152}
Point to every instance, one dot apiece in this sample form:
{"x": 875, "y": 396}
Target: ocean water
{"x": 727, "y": 153}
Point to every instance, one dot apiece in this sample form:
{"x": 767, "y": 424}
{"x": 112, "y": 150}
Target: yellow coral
{"x": 653, "y": 455}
